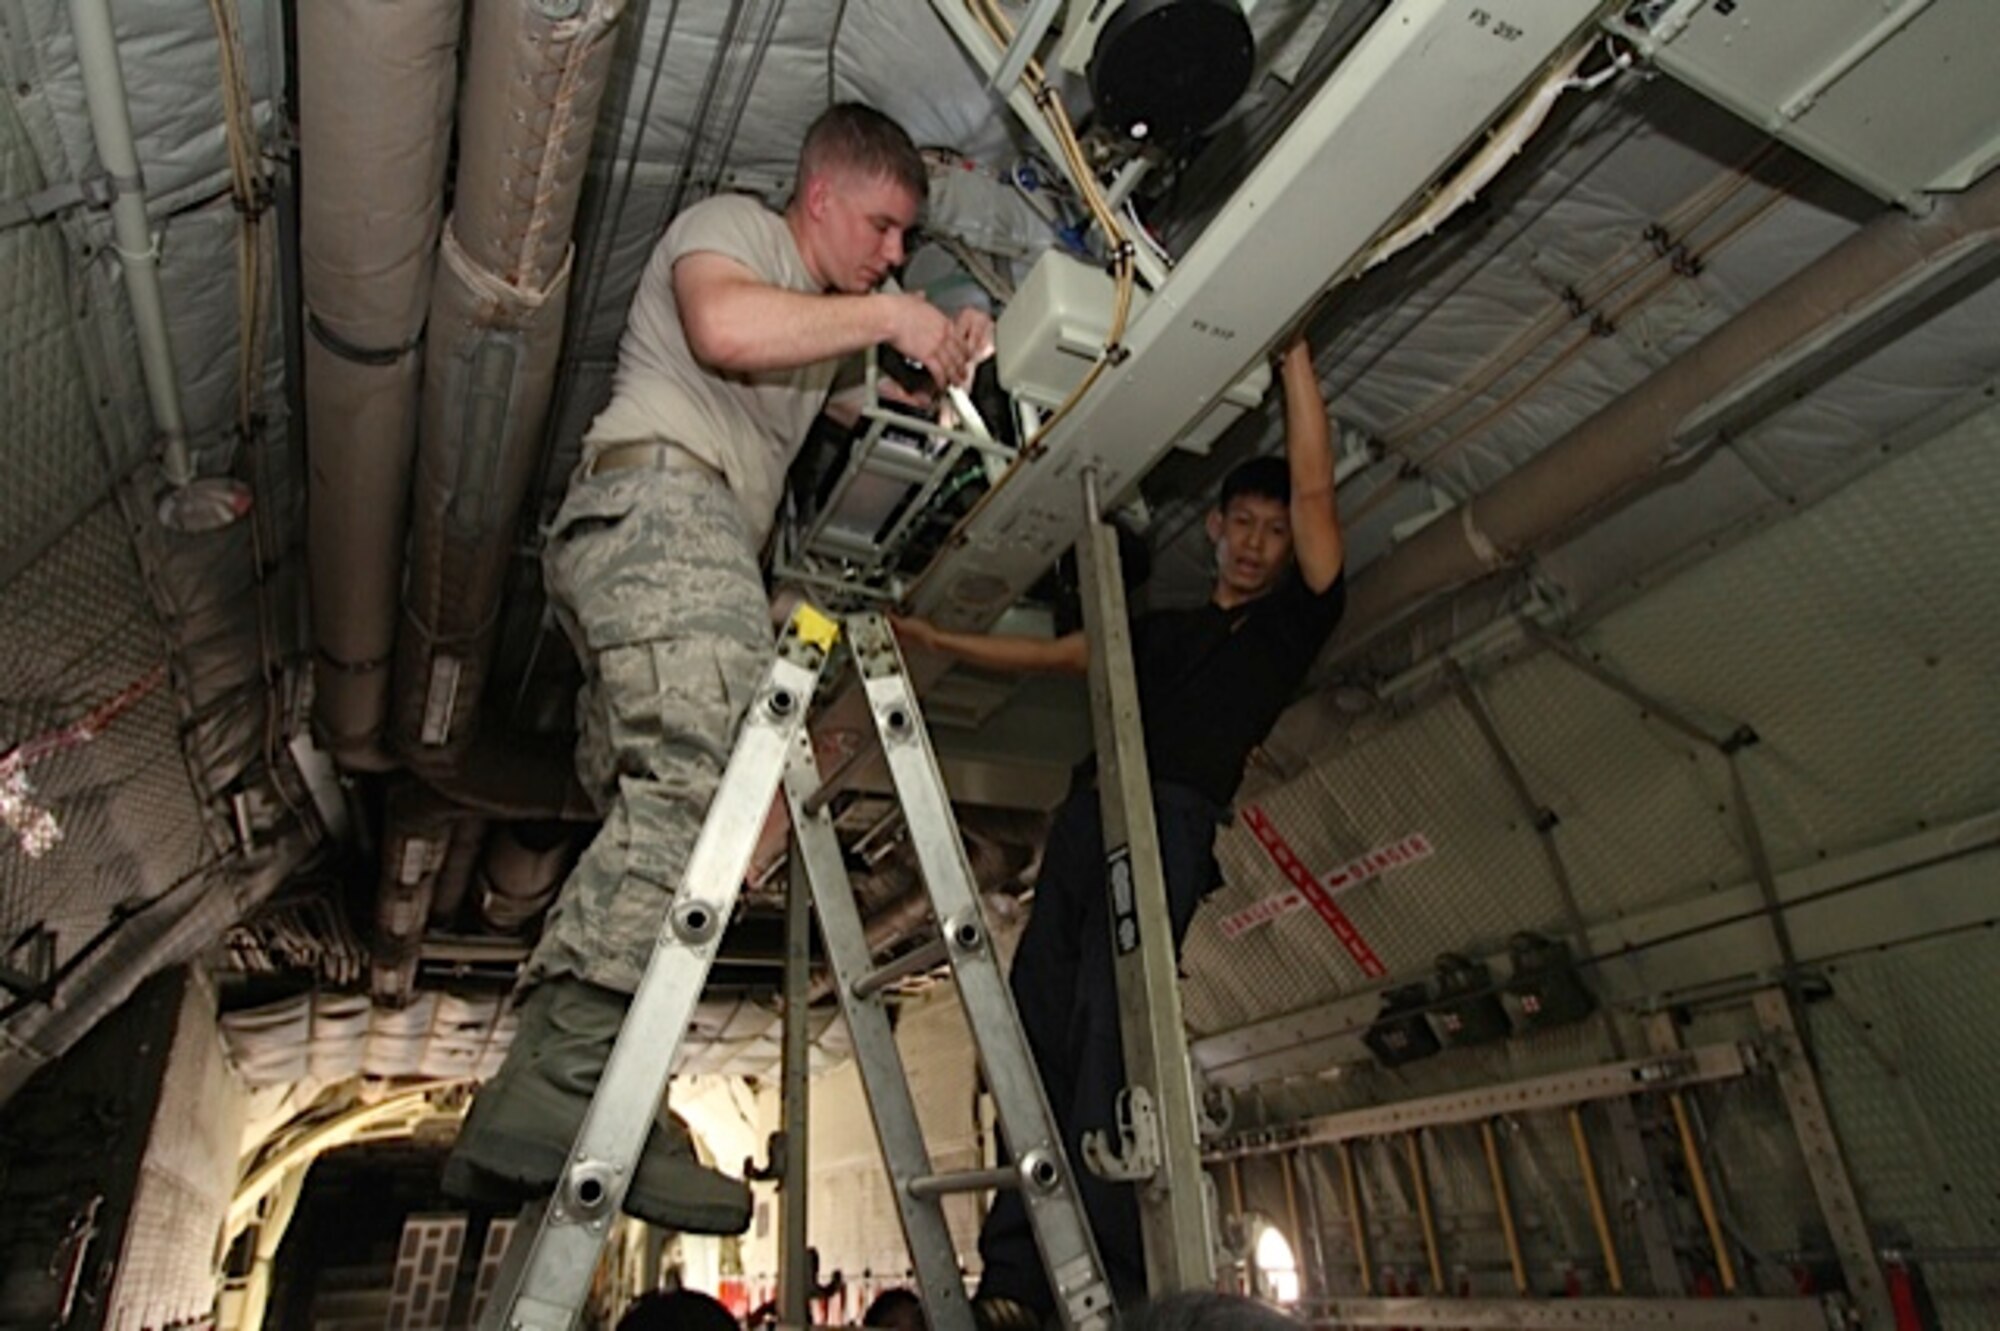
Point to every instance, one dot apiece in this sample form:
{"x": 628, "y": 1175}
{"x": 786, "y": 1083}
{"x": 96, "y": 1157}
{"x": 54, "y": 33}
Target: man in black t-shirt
{"x": 1212, "y": 679}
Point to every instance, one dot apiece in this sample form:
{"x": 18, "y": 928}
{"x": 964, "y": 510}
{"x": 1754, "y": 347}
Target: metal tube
{"x": 1424, "y": 1217}
{"x": 930, "y": 955}
{"x": 1295, "y": 1235}
{"x": 1315, "y": 1226}
{"x": 822, "y": 797}
{"x": 138, "y": 257}
{"x": 966, "y": 1180}
{"x": 1731, "y": 377}
{"x": 1704, "y": 1200}
{"x": 794, "y": 1274}
{"x": 1599, "y": 1217}
{"x": 1508, "y": 1235}
{"x": 1355, "y": 1219}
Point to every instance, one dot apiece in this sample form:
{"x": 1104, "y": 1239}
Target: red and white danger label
{"x": 1306, "y": 890}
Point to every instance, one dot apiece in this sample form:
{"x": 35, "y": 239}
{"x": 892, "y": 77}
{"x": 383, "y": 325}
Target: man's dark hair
{"x": 860, "y": 138}
{"x": 899, "y": 1308}
{"x": 1207, "y": 1310}
{"x": 677, "y": 1310}
{"x": 1266, "y": 478}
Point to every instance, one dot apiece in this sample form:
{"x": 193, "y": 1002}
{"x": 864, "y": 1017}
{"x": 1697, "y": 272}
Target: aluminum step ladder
{"x": 546, "y": 1279}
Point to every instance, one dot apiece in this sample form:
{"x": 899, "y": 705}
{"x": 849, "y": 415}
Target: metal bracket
{"x": 1136, "y": 1156}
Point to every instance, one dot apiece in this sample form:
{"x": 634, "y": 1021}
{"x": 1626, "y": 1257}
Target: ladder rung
{"x": 966, "y": 1180}
{"x": 830, "y": 787}
{"x": 928, "y": 957}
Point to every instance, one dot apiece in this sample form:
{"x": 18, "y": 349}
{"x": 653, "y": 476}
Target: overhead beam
{"x": 1418, "y": 89}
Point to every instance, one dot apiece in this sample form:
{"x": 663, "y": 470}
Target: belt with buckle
{"x": 649, "y": 454}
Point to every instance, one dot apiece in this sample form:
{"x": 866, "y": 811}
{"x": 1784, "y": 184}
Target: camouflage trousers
{"x": 654, "y": 581}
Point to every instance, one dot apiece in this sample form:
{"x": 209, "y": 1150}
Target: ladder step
{"x": 928, "y": 957}
{"x": 965, "y": 1180}
{"x": 832, "y": 786}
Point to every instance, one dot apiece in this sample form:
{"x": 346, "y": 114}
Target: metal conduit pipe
{"x": 517, "y": 775}
{"x": 461, "y": 857}
{"x": 1611, "y": 456}
{"x": 375, "y": 104}
{"x": 523, "y": 866}
{"x": 418, "y": 829}
{"x": 138, "y": 256}
{"x": 533, "y": 86}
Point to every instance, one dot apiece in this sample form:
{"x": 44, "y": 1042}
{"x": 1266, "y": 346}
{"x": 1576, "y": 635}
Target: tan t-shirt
{"x": 746, "y": 426}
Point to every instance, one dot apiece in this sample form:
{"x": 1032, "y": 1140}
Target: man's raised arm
{"x": 1308, "y": 451}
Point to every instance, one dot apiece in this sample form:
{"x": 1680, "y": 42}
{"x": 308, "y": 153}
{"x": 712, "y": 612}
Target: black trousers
{"x": 1066, "y": 993}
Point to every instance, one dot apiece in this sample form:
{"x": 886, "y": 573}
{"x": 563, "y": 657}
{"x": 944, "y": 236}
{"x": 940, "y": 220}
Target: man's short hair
{"x": 677, "y": 1310}
{"x": 897, "y": 1308}
{"x": 860, "y": 138}
{"x": 1266, "y": 478}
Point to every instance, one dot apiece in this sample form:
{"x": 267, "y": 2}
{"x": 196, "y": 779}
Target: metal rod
{"x": 1590, "y": 667}
{"x": 794, "y": 1274}
{"x": 1355, "y": 1219}
{"x": 1021, "y": 47}
{"x": 1543, "y": 819}
{"x": 1505, "y": 1204}
{"x": 822, "y": 797}
{"x": 1704, "y": 1199}
{"x": 1600, "y": 1219}
{"x": 1315, "y": 1231}
{"x": 138, "y": 255}
{"x": 1729, "y": 746}
{"x": 928, "y": 957}
{"x": 1296, "y": 1234}
{"x": 1421, "y": 1185}
{"x": 967, "y": 1180}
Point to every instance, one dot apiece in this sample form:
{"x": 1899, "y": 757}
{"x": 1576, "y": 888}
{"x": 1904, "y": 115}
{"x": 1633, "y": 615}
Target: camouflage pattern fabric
{"x": 653, "y": 578}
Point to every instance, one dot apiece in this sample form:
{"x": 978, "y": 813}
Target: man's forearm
{"x": 1308, "y": 439}
{"x": 750, "y": 327}
{"x": 1067, "y": 655}
{"x": 1316, "y": 534}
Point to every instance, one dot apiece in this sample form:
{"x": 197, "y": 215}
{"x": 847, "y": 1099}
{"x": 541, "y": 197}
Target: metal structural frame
{"x": 1670, "y": 1070}
{"x": 1535, "y": 1314}
{"x": 1832, "y": 1184}
{"x": 1419, "y": 88}
{"x": 1605, "y": 1081}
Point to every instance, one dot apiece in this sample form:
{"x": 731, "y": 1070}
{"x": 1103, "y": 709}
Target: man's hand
{"x": 975, "y": 326}
{"x": 915, "y": 632}
{"x": 950, "y": 347}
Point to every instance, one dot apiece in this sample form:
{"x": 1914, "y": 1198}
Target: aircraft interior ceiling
{"x": 1669, "y": 451}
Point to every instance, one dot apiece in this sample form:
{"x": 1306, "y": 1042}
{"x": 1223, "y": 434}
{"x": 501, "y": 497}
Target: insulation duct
{"x": 375, "y": 129}
{"x": 1751, "y": 363}
{"x": 523, "y": 866}
{"x": 533, "y": 85}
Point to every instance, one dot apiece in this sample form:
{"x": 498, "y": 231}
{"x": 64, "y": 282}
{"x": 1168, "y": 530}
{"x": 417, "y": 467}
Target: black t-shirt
{"x": 1212, "y": 681}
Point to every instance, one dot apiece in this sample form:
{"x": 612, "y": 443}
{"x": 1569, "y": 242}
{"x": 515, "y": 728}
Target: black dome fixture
{"x": 1164, "y": 70}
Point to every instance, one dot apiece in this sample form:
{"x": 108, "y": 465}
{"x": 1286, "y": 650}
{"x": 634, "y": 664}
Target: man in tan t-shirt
{"x": 740, "y": 322}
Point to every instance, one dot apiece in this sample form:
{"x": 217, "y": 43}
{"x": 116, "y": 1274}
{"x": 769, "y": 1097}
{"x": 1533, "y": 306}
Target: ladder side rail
{"x": 1163, "y": 1153}
{"x": 1055, "y": 1210}
{"x": 568, "y": 1242}
{"x": 925, "y": 1232}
